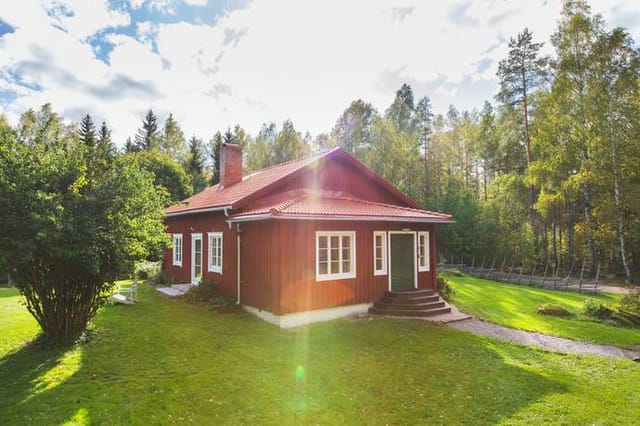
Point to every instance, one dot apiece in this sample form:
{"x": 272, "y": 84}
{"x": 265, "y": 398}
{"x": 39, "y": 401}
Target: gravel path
{"x": 557, "y": 344}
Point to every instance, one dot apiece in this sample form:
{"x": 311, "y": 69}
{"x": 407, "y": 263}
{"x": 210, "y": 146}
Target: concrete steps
{"x": 174, "y": 290}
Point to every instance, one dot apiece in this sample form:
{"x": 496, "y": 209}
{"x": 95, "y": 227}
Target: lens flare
{"x": 300, "y": 374}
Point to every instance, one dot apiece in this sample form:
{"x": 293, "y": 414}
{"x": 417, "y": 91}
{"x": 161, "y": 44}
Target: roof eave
{"x": 196, "y": 211}
{"x": 256, "y": 217}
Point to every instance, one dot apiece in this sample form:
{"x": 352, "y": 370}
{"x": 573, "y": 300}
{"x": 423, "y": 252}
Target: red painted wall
{"x": 203, "y": 223}
{"x": 278, "y": 265}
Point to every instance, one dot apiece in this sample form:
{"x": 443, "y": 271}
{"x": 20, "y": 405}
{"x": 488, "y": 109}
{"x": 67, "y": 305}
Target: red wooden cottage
{"x": 307, "y": 240}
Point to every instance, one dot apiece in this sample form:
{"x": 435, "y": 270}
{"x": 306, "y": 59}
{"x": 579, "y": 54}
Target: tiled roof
{"x": 216, "y": 197}
{"x": 316, "y": 206}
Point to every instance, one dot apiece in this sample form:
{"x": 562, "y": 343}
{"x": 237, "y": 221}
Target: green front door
{"x": 403, "y": 262}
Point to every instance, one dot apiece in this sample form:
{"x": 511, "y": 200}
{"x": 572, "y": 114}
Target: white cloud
{"x": 196, "y": 2}
{"x": 268, "y": 61}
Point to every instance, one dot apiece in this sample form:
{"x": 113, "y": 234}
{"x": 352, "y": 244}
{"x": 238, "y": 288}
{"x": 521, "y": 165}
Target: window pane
{"x": 322, "y": 268}
{"x": 378, "y": 264}
{"x": 346, "y": 241}
{"x": 335, "y": 254}
{"x": 346, "y": 266}
{"x": 322, "y": 242}
{"x": 378, "y": 252}
{"x": 335, "y": 267}
{"x": 322, "y": 255}
{"x": 378, "y": 241}
{"x": 335, "y": 242}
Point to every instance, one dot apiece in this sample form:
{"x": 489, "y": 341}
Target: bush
{"x": 206, "y": 293}
{"x": 597, "y": 310}
{"x": 553, "y": 310}
{"x": 146, "y": 270}
{"x": 444, "y": 288}
{"x": 631, "y": 302}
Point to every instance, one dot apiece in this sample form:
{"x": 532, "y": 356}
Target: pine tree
{"x": 104, "y": 144}
{"x": 146, "y": 137}
{"x": 520, "y": 75}
{"x": 214, "y": 148}
{"x": 195, "y": 164}
{"x": 172, "y": 140}
{"x": 130, "y": 147}
{"x": 87, "y": 131}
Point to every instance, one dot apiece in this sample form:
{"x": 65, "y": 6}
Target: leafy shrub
{"x": 631, "y": 303}
{"x": 148, "y": 271}
{"x": 455, "y": 272}
{"x": 553, "y": 310}
{"x": 206, "y": 293}
{"x": 597, "y": 310}
{"x": 444, "y": 288}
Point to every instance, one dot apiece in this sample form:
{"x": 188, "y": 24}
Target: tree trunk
{"x": 619, "y": 213}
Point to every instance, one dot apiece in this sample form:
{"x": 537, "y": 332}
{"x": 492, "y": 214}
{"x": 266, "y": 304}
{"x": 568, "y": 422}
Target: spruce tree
{"x": 146, "y": 138}
{"x": 87, "y": 132}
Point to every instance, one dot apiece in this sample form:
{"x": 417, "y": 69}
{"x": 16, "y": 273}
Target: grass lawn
{"x": 163, "y": 361}
{"x": 515, "y": 306}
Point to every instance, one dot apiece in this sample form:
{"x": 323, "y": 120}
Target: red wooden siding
{"x": 203, "y": 223}
{"x": 278, "y": 265}
{"x": 332, "y": 176}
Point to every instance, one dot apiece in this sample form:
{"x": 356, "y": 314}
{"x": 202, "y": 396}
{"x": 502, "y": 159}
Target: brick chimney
{"x": 230, "y": 165}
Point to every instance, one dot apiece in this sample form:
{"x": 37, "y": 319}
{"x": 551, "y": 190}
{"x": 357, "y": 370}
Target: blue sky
{"x": 214, "y": 64}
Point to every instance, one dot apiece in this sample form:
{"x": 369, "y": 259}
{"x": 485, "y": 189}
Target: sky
{"x": 218, "y": 63}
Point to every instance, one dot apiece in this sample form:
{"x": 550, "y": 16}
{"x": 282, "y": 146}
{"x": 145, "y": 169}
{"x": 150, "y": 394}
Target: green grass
{"x": 515, "y": 306}
{"x": 164, "y": 362}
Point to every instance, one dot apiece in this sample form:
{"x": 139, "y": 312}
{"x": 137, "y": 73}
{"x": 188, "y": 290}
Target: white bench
{"x": 127, "y": 295}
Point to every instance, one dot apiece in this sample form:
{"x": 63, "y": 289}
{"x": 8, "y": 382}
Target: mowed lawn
{"x": 515, "y": 306}
{"x": 164, "y": 362}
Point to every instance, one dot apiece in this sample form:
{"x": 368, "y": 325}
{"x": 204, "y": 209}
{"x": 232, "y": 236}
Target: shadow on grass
{"x": 8, "y": 291}
{"x": 164, "y": 361}
{"x": 30, "y": 376}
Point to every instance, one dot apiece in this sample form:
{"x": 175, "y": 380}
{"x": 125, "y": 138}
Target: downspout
{"x": 238, "y": 262}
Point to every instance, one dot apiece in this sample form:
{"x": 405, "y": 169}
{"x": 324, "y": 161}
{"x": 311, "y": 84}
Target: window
{"x": 335, "y": 255}
{"x": 379, "y": 253}
{"x": 423, "y": 251}
{"x": 177, "y": 249}
{"x": 215, "y": 252}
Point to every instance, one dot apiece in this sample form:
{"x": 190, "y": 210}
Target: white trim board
{"x": 308, "y": 317}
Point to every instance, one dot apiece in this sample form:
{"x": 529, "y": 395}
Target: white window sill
{"x": 335, "y": 277}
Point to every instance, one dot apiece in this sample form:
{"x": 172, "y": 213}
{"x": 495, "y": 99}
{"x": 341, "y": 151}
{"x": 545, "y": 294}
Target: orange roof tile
{"x": 216, "y": 197}
{"x": 316, "y": 206}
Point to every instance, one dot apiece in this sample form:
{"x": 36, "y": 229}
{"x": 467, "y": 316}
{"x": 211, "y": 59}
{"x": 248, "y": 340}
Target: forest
{"x": 546, "y": 171}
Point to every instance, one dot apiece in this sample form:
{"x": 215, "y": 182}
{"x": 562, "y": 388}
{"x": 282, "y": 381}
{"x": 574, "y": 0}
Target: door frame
{"x": 196, "y": 236}
{"x": 415, "y": 260}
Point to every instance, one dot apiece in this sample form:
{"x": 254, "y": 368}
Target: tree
{"x": 194, "y": 165}
{"x": 520, "y": 75}
{"x": 87, "y": 131}
{"x": 172, "y": 141}
{"x": 105, "y": 146}
{"x": 76, "y": 231}
{"x": 401, "y": 110}
{"x": 147, "y": 137}
{"x": 167, "y": 174}
{"x": 130, "y": 147}
{"x": 214, "y": 148}
{"x": 288, "y": 144}
{"x": 354, "y": 129}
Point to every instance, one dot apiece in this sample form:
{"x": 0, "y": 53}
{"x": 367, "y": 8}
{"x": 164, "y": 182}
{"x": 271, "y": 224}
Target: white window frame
{"x": 423, "y": 266}
{"x": 341, "y": 275}
{"x": 175, "y": 252}
{"x": 383, "y": 236}
{"x": 210, "y": 256}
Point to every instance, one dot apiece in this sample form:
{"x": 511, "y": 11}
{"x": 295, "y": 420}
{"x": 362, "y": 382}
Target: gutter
{"x": 196, "y": 211}
{"x": 267, "y": 216}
